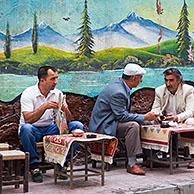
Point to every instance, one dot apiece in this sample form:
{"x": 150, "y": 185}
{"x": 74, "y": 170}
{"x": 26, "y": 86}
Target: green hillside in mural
{"x": 24, "y": 61}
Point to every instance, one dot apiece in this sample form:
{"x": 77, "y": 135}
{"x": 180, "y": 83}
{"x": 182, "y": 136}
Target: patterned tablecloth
{"x": 57, "y": 146}
{"x": 157, "y": 138}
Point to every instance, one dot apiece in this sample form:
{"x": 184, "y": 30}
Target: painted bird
{"x": 67, "y": 18}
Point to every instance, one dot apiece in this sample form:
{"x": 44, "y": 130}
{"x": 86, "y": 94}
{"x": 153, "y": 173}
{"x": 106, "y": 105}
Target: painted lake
{"x": 82, "y": 82}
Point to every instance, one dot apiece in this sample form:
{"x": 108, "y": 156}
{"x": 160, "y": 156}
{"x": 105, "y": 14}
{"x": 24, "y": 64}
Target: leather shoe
{"x": 135, "y": 169}
{"x": 190, "y": 165}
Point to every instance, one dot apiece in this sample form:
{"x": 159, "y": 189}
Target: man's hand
{"x": 51, "y": 104}
{"x": 151, "y": 116}
{"x": 66, "y": 111}
{"x": 171, "y": 118}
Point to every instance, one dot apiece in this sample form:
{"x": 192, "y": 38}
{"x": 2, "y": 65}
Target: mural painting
{"x": 90, "y": 41}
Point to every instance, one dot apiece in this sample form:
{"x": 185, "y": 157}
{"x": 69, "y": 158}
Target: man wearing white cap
{"x": 111, "y": 114}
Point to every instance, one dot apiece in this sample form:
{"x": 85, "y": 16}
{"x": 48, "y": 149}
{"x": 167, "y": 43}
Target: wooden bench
{"x": 12, "y": 176}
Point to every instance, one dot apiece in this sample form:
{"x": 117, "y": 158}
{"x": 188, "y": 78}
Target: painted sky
{"x": 19, "y": 13}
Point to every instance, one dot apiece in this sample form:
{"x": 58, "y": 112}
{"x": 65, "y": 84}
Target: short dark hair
{"x": 173, "y": 71}
{"x": 43, "y": 71}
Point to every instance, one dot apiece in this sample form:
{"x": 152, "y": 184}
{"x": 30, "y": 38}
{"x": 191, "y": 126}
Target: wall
{"x": 118, "y": 32}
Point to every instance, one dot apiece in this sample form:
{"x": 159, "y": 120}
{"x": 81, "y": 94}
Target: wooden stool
{"x": 13, "y": 177}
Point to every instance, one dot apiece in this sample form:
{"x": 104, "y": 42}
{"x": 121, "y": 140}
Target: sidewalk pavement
{"x": 117, "y": 181}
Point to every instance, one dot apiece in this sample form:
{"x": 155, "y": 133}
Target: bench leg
{"x": 1, "y": 173}
{"x": 17, "y": 166}
{"x": 26, "y": 170}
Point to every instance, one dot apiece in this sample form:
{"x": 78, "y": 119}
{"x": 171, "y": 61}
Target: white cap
{"x": 133, "y": 69}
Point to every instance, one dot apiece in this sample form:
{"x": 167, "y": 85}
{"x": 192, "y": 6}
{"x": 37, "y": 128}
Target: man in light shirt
{"x": 38, "y": 105}
{"x": 175, "y": 100}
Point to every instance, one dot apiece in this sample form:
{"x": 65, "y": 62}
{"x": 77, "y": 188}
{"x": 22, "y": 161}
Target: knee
{"x": 75, "y": 125}
{"x": 135, "y": 127}
{"x": 25, "y": 130}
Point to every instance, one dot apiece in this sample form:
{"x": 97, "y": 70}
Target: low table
{"x": 102, "y": 148}
{"x": 153, "y": 137}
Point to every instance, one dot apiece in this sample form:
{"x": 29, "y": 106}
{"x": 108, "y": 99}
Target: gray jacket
{"x": 111, "y": 107}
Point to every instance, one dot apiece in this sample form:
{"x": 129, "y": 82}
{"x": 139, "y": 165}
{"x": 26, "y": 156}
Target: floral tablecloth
{"x": 57, "y": 146}
{"x": 157, "y": 138}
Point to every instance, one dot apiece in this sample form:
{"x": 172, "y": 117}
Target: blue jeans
{"x": 30, "y": 134}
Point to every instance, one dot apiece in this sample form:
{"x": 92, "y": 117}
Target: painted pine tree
{"x": 7, "y": 46}
{"x": 86, "y": 40}
{"x": 35, "y": 35}
{"x": 183, "y": 38}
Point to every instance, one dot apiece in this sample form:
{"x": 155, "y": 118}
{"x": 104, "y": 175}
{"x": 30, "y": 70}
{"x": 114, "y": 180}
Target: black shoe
{"x": 36, "y": 176}
{"x": 63, "y": 172}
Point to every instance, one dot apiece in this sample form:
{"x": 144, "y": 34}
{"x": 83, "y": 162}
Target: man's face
{"x": 172, "y": 83}
{"x": 137, "y": 80}
{"x": 51, "y": 80}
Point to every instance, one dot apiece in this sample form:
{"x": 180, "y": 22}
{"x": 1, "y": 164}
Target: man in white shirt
{"x": 38, "y": 104}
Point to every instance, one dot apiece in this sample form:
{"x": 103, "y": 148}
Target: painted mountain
{"x": 46, "y": 36}
{"x": 131, "y": 32}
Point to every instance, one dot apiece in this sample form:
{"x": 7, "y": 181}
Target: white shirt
{"x": 32, "y": 98}
{"x": 171, "y": 106}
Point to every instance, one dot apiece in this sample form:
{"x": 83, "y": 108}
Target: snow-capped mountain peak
{"x": 133, "y": 16}
{"x": 42, "y": 25}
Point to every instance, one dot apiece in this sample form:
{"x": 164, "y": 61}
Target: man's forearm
{"x": 32, "y": 117}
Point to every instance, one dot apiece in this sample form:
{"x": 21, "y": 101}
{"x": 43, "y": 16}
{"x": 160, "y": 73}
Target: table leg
{"x": 103, "y": 164}
{"x": 55, "y": 172}
{"x": 86, "y": 162}
{"x": 170, "y": 150}
{"x": 151, "y": 159}
{"x": 177, "y": 148}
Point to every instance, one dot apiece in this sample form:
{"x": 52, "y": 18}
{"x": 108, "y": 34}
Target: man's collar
{"x": 126, "y": 86}
{"x": 38, "y": 92}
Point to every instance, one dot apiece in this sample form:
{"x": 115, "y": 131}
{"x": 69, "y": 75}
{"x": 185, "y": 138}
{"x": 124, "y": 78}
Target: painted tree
{"x": 35, "y": 35}
{"x": 7, "y": 46}
{"x": 183, "y": 38}
{"x": 86, "y": 40}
